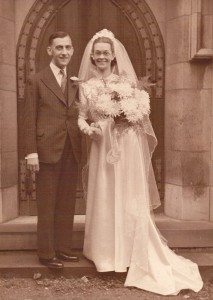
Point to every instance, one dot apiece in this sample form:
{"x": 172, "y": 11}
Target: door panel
{"x": 81, "y": 25}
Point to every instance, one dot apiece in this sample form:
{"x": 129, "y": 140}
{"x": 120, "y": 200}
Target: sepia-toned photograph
{"x": 106, "y": 164}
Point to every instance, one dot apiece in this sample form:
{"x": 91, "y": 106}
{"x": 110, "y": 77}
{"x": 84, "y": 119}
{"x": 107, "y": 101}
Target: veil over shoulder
{"x": 124, "y": 66}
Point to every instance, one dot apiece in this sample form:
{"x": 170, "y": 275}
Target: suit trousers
{"x": 56, "y": 194}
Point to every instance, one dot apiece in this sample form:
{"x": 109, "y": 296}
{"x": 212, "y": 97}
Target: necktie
{"x": 63, "y": 80}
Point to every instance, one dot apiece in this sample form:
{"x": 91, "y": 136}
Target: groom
{"x": 53, "y": 144}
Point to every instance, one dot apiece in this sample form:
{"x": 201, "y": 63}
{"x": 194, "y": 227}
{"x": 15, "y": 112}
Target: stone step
{"x": 25, "y": 264}
{"x": 20, "y": 233}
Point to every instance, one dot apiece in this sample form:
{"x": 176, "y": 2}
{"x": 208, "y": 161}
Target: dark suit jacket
{"x": 48, "y": 119}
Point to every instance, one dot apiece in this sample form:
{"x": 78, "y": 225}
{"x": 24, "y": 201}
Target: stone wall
{"x": 22, "y": 8}
{"x": 8, "y": 113}
{"x": 158, "y": 8}
{"x": 188, "y": 109}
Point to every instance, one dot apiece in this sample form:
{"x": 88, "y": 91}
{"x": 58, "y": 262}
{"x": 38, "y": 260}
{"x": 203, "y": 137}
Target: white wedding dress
{"x": 120, "y": 234}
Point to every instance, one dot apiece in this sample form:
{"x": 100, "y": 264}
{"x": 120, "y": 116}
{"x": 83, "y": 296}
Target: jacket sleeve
{"x": 30, "y": 115}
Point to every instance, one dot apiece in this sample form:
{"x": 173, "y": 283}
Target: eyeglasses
{"x": 104, "y": 53}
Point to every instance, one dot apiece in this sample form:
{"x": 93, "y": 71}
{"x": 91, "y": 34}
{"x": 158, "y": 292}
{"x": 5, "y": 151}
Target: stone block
{"x": 158, "y": 8}
{"x": 7, "y": 77}
{"x": 205, "y": 80}
{"x": 173, "y": 117}
{"x": 162, "y": 26}
{"x": 187, "y": 118}
{"x": 0, "y": 173}
{"x": 8, "y": 122}
{"x": 211, "y": 204}
{"x": 211, "y": 123}
{"x": 9, "y": 169}
{"x": 196, "y": 120}
{"x": 207, "y": 31}
{"x": 7, "y": 9}
{"x": 187, "y": 168}
{"x": 188, "y": 76}
{"x": 174, "y": 76}
{"x": 195, "y": 168}
{"x": 195, "y": 6}
{"x": 211, "y": 173}
{"x": 207, "y": 7}
{"x": 9, "y": 203}
{"x": 173, "y": 201}
{"x": 177, "y": 8}
{"x": 191, "y": 78}
{"x": 196, "y": 203}
{"x": 197, "y": 76}
{"x": 173, "y": 167}
{"x": 187, "y": 202}
{"x": 7, "y": 42}
{"x": 177, "y": 46}
{"x": 22, "y": 8}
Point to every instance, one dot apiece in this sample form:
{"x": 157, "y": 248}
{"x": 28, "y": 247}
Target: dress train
{"x": 120, "y": 234}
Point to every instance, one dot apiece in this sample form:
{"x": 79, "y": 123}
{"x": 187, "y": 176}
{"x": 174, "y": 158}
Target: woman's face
{"x": 103, "y": 56}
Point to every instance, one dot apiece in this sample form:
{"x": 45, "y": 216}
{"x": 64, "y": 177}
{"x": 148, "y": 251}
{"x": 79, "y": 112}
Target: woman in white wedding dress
{"x": 120, "y": 234}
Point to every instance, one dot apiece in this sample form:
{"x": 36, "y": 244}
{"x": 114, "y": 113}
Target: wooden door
{"x": 82, "y": 19}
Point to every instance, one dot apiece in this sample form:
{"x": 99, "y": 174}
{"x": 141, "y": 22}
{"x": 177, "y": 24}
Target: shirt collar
{"x": 56, "y": 70}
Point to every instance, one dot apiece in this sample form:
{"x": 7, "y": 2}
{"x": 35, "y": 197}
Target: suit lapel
{"x": 50, "y": 81}
{"x": 72, "y": 90}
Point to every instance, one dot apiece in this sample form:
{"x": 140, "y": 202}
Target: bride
{"x": 120, "y": 233}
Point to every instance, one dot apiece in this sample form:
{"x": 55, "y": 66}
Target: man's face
{"x": 61, "y": 51}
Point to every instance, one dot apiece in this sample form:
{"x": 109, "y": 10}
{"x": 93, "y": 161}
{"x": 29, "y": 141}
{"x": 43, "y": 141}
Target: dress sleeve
{"x": 83, "y": 112}
{"x": 83, "y": 107}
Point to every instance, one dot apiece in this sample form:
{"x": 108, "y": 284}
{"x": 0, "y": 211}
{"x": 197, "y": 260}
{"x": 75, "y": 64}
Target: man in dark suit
{"x": 53, "y": 145}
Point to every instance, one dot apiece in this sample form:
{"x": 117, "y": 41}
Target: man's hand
{"x": 33, "y": 164}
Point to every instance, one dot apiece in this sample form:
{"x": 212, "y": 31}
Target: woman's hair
{"x": 106, "y": 40}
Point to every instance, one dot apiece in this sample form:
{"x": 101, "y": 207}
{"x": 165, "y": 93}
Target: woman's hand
{"x": 33, "y": 164}
{"x": 96, "y": 131}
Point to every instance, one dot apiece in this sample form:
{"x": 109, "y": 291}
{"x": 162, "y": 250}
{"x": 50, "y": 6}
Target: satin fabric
{"x": 120, "y": 234}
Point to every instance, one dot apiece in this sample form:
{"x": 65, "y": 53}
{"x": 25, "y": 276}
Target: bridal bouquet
{"x": 120, "y": 99}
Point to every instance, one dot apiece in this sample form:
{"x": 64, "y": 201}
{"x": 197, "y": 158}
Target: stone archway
{"x": 151, "y": 48}
{"x": 137, "y": 11}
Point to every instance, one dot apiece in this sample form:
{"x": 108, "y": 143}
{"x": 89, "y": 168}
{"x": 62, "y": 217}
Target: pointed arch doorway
{"x": 133, "y": 24}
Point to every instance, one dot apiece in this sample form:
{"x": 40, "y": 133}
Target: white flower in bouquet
{"x": 131, "y": 109}
{"x": 119, "y": 99}
{"x": 123, "y": 89}
{"x": 105, "y": 106}
{"x": 143, "y": 101}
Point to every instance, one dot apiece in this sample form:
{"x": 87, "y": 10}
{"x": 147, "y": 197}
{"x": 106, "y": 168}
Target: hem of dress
{"x": 112, "y": 270}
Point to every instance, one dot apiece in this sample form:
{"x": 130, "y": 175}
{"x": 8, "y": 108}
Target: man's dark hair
{"x": 57, "y": 34}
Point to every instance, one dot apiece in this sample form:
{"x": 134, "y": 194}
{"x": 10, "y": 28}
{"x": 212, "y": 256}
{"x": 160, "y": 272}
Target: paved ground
{"x": 104, "y": 287}
{"x": 23, "y": 278}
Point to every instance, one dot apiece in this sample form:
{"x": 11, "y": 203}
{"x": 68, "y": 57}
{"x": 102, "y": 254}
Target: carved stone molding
{"x": 148, "y": 32}
{"x": 39, "y": 16}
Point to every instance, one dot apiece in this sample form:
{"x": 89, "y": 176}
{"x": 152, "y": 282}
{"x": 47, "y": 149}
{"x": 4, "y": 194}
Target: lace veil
{"x": 124, "y": 66}
{"x": 137, "y": 220}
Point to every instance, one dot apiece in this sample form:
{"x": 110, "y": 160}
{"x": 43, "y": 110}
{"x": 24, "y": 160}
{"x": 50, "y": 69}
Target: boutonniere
{"x": 75, "y": 80}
